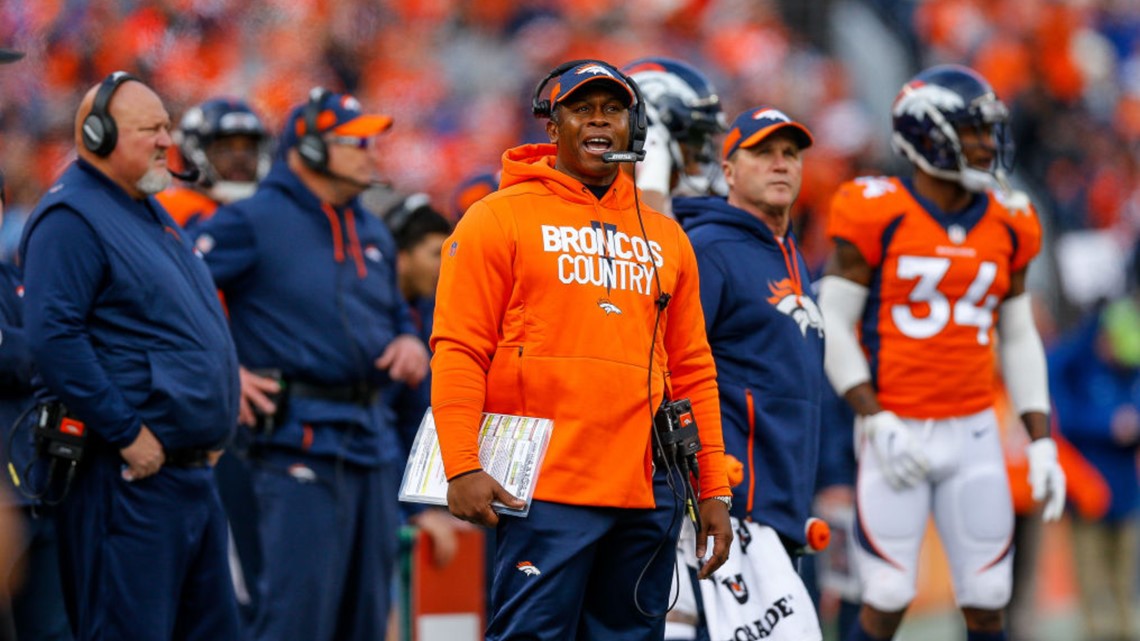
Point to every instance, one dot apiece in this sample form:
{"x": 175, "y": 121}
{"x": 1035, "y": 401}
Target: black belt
{"x": 187, "y": 458}
{"x": 362, "y": 394}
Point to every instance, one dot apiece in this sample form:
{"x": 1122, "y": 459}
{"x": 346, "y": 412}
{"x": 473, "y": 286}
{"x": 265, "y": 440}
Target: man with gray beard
{"x": 133, "y": 348}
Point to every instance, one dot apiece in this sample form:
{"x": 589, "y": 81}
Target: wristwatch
{"x": 727, "y": 500}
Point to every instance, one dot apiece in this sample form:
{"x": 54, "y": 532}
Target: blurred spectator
{"x": 1095, "y": 381}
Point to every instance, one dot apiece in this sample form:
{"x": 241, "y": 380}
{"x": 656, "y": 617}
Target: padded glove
{"x": 898, "y": 450}
{"x": 1046, "y": 477}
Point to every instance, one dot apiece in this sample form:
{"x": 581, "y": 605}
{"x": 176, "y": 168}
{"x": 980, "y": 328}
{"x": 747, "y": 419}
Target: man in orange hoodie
{"x": 554, "y": 302}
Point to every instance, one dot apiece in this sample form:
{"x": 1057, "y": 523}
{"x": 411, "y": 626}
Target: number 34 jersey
{"x": 928, "y": 325}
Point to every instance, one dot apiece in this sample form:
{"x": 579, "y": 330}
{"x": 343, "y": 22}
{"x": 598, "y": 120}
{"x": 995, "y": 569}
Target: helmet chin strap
{"x": 977, "y": 181}
{"x": 228, "y": 191}
{"x": 971, "y": 179}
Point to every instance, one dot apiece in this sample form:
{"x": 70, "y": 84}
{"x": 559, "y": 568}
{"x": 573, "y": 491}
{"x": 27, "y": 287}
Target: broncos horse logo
{"x": 594, "y": 69}
{"x": 919, "y": 99}
{"x": 610, "y": 308}
{"x": 789, "y": 299}
{"x": 528, "y": 568}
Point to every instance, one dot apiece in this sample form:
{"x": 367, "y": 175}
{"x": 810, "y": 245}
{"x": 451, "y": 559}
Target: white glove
{"x": 899, "y": 452}
{"x": 1046, "y": 477}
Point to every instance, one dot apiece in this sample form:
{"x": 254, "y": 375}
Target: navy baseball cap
{"x": 754, "y": 125}
{"x": 10, "y": 55}
{"x": 590, "y": 71}
{"x": 340, "y": 114}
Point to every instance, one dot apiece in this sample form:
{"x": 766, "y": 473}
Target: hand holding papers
{"x": 511, "y": 449}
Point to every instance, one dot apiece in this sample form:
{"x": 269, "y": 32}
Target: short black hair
{"x": 411, "y": 223}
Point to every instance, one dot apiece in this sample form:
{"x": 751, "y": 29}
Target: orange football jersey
{"x": 184, "y": 204}
{"x": 928, "y": 325}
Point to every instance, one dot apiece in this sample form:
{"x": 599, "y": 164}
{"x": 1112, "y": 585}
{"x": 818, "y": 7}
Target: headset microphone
{"x": 363, "y": 184}
{"x": 191, "y": 175}
{"x": 623, "y": 156}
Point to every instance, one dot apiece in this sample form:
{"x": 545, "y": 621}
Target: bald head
{"x": 137, "y": 163}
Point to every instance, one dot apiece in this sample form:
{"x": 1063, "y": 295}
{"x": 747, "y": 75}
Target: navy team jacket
{"x": 766, "y": 335}
{"x": 311, "y": 291}
{"x": 15, "y": 371}
{"x": 122, "y": 318}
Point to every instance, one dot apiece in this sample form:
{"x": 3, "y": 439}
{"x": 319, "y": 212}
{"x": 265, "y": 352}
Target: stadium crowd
{"x": 445, "y": 69}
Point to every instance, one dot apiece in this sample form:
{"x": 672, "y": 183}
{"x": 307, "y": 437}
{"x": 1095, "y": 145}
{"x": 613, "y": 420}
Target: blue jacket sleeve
{"x": 712, "y": 286}
{"x": 228, "y": 243}
{"x": 65, "y": 267}
{"x": 15, "y": 359}
{"x": 836, "y": 441}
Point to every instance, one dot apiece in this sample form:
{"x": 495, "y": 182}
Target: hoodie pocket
{"x": 506, "y": 393}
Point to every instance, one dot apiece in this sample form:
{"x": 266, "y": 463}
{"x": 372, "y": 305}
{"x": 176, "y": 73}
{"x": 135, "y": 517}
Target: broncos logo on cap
{"x": 787, "y": 299}
{"x": 349, "y": 103}
{"x": 770, "y": 114}
{"x": 594, "y": 69}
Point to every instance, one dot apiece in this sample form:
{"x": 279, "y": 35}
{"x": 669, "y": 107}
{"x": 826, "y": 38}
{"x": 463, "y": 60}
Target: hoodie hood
{"x": 535, "y": 162}
{"x": 694, "y": 213}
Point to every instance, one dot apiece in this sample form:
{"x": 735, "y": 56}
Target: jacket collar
{"x": 283, "y": 178}
{"x": 535, "y": 162}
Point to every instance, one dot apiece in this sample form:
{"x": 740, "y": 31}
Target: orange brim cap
{"x": 591, "y": 71}
{"x": 364, "y": 126}
{"x": 754, "y": 125}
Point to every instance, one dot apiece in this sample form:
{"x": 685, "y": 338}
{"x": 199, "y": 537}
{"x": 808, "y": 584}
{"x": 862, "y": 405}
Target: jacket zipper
{"x": 751, "y": 405}
{"x": 521, "y": 385}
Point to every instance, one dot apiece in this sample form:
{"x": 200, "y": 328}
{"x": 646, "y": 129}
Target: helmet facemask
{"x": 928, "y": 119}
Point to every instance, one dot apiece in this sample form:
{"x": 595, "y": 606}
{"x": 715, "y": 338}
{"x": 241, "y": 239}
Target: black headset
{"x": 99, "y": 131}
{"x": 638, "y": 120}
{"x": 311, "y": 145}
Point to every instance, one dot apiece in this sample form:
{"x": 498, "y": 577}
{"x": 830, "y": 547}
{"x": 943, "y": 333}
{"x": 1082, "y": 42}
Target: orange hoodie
{"x": 545, "y": 308}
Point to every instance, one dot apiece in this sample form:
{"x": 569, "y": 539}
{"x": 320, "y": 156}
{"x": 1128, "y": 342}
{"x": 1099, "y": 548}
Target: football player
{"x": 925, "y": 270}
{"x": 228, "y": 147}
{"x": 685, "y": 115}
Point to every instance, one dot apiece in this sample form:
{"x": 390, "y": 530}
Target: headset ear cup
{"x": 638, "y": 120}
{"x": 311, "y": 146}
{"x": 100, "y": 133}
{"x": 93, "y": 134}
{"x": 639, "y": 130}
{"x": 541, "y": 108}
{"x": 110, "y": 136}
{"x": 313, "y": 152}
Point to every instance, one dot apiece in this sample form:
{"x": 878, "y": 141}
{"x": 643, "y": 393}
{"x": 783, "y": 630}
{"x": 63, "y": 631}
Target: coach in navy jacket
{"x": 764, "y": 327}
{"x": 127, "y": 332}
{"x": 309, "y": 278}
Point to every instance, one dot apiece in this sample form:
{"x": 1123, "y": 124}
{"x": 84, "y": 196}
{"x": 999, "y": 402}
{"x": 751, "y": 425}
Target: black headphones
{"x": 311, "y": 145}
{"x": 99, "y": 131}
{"x": 638, "y": 121}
